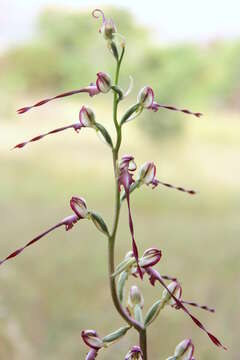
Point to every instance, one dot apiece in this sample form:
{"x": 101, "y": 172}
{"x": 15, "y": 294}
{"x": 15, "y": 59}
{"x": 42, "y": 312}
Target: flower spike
{"x": 91, "y": 90}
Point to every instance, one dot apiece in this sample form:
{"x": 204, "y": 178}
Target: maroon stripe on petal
{"x": 75, "y": 126}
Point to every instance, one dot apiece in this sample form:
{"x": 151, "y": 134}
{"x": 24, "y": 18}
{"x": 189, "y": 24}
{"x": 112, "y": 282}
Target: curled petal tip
{"x": 97, "y": 13}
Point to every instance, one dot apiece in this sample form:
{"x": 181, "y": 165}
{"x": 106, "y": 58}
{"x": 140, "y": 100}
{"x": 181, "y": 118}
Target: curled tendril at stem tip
{"x": 100, "y": 14}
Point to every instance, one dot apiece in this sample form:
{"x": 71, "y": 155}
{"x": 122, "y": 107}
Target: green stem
{"x": 143, "y": 342}
{"x": 112, "y": 238}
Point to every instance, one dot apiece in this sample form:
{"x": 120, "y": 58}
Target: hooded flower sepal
{"x": 99, "y": 222}
{"x": 135, "y": 303}
{"x": 68, "y": 222}
{"x": 184, "y": 350}
{"x": 135, "y": 353}
{"x": 154, "y": 276}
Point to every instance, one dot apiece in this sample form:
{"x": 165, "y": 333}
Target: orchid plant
{"x": 130, "y": 307}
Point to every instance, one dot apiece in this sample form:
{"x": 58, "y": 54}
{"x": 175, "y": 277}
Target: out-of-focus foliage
{"x": 67, "y": 52}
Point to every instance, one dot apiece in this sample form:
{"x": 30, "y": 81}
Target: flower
{"x": 145, "y": 97}
{"x": 134, "y": 354}
{"x": 79, "y": 206}
{"x": 108, "y": 28}
{"x": 175, "y": 289}
{"x": 103, "y": 82}
{"x": 147, "y": 175}
{"x": 154, "y": 276}
{"x": 91, "y": 339}
{"x": 146, "y": 100}
{"x": 86, "y": 119}
{"x": 125, "y": 180}
{"x": 184, "y": 350}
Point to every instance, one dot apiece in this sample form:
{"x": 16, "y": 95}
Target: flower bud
{"x": 91, "y": 339}
{"x": 103, "y": 82}
{"x": 150, "y": 257}
{"x": 86, "y": 117}
{"x": 185, "y": 350}
{"x": 147, "y": 172}
{"x": 135, "y": 297}
{"x": 79, "y": 206}
{"x": 108, "y": 29}
{"x": 146, "y": 97}
{"x": 175, "y": 289}
{"x": 134, "y": 354}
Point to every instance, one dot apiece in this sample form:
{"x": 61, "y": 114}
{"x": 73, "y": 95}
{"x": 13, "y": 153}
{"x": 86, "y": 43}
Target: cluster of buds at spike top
{"x": 147, "y": 175}
{"x": 78, "y": 205}
{"x": 184, "y": 350}
{"x": 135, "y": 353}
{"x": 108, "y": 28}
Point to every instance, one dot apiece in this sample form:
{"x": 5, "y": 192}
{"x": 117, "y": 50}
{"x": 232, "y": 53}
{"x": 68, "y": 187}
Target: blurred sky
{"x": 172, "y": 20}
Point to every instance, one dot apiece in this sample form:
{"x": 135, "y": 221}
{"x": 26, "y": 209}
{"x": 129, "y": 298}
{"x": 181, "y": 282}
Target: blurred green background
{"x": 59, "y": 287}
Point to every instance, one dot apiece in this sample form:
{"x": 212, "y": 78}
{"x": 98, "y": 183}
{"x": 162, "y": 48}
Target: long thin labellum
{"x": 181, "y": 306}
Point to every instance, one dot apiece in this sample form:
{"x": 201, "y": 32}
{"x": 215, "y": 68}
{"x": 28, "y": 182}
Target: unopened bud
{"x": 150, "y": 257}
{"x": 146, "y": 97}
{"x": 108, "y": 29}
{"x": 91, "y": 339}
{"x": 147, "y": 172}
{"x": 103, "y": 82}
{"x": 135, "y": 297}
{"x": 79, "y": 206}
{"x": 134, "y": 354}
{"x": 184, "y": 350}
{"x": 86, "y": 117}
{"x": 175, "y": 289}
